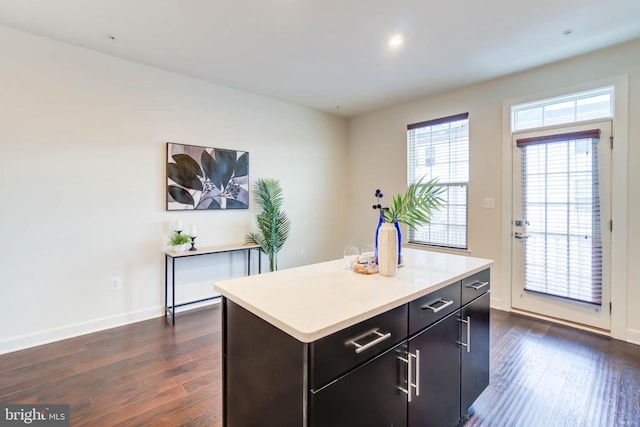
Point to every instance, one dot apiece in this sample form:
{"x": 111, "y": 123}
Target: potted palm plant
{"x": 273, "y": 223}
{"x": 414, "y": 209}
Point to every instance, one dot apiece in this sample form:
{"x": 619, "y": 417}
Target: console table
{"x": 173, "y": 255}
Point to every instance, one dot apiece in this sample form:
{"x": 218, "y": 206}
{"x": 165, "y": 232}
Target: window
{"x": 440, "y": 149}
{"x": 576, "y": 107}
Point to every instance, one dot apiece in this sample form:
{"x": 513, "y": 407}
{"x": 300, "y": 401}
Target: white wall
{"x": 82, "y": 137}
{"x": 377, "y": 146}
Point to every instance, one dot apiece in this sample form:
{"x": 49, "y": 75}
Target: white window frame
{"x": 573, "y": 99}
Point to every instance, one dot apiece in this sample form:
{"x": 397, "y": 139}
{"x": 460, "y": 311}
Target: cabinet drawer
{"x": 474, "y": 286}
{"x": 432, "y": 307}
{"x": 340, "y": 352}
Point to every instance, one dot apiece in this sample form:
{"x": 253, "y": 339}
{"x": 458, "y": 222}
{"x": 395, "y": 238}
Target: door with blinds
{"x": 561, "y": 223}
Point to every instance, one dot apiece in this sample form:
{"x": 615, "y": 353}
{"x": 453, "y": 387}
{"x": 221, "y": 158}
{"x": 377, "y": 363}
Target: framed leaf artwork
{"x": 206, "y": 178}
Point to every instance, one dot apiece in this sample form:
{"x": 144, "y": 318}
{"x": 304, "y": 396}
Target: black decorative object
{"x": 206, "y": 178}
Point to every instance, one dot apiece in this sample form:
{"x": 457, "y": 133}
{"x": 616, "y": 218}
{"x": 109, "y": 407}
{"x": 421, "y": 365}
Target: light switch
{"x": 489, "y": 203}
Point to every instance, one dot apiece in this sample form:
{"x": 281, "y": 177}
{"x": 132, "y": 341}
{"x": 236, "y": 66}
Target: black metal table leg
{"x": 173, "y": 289}
{"x": 165, "y": 284}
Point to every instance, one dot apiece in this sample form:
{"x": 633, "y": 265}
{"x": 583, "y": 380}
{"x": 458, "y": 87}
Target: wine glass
{"x": 351, "y": 254}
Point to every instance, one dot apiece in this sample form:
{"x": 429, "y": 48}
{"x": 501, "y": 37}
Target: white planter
{"x": 180, "y": 248}
{"x": 387, "y": 250}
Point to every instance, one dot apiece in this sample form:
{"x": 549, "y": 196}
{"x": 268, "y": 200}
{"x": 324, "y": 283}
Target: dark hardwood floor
{"x": 544, "y": 374}
{"x": 152, "y": 374}
{"x": 144, "y": 374}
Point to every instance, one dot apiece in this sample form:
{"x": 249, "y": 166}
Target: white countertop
{"x": 313, "y": 301}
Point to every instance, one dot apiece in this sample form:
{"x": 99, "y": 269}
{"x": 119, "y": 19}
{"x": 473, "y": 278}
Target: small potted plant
{"x": 179, "y": 242}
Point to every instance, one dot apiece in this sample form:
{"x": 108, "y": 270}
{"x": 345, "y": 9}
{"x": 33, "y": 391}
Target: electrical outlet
{"x": 116, "y": 283}
{"x": 303, "y": 253}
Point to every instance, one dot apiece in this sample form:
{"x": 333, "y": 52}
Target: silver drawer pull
{"x": 362, "y": 347}
{"x": 477, "y": 285}
{"x": 437, "y": 309}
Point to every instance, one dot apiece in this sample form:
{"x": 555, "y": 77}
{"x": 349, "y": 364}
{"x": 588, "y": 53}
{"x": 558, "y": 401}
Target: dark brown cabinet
{"x": 365, "y": 397}
{"x": 435, "y": 401}
{"x": 421, "y": 364}
{"x": 474, "y": 355}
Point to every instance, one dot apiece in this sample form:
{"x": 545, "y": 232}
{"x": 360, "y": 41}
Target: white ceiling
{"x": 328, "y": 53}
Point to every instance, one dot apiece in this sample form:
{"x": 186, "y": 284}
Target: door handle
{"x": 520, "y": 236}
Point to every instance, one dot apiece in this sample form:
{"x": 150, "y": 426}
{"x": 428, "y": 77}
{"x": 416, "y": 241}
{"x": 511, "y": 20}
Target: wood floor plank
{"x": 628, "y": 409}
{"x": 154, "y": 374}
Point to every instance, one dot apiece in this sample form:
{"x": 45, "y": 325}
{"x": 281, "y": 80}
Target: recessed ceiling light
{"x": 396, "y": 40}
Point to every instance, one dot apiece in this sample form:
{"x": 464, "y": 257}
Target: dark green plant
{"x": 416, "y": 207}
{"x": 176, "y": 239}
{"x": 272, "y": 222}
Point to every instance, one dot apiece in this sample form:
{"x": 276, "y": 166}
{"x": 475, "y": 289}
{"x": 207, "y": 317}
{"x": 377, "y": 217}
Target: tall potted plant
{"x": 273, "y": 223}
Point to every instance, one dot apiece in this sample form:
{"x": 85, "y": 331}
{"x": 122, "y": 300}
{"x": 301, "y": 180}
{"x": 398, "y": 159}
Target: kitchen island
{"x": 320, "y": 346}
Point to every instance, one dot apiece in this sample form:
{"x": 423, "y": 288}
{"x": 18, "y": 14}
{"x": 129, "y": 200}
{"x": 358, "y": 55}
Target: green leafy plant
{"x": 272, "y": 222}
{"x": 416, "y": 206}
{"x": 177, "y": 239}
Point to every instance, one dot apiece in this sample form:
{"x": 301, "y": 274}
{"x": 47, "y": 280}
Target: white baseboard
{"x": 633, "y": 336}
{"x": 498, "y": 304}
{"x": 57, "y": 334}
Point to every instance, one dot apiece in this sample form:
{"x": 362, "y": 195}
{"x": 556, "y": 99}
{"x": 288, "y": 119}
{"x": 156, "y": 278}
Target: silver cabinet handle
{"x": 437, "y": 309}
{"x": 417, "y": 383}
{"x": 468, "y": 343}
{"x": 412, "y": 385}
{"x": 362, "y": 347}
{"x": 520, "y": 236}
{"x": 407, "y": 390}
{"x": 477, "y": 285}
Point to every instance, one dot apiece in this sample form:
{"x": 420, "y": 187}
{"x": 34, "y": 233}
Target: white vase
{"x": 387, "y": 249}
{"x": 180, "y": 248}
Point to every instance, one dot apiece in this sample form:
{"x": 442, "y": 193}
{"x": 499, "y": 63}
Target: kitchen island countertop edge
{"x": 316, "y": 300}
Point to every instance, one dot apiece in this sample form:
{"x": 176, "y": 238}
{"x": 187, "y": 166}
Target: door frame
{"x": 619, "y": 182}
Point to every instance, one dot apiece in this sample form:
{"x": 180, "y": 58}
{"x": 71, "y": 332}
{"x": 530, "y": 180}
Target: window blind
{"x": 561, "y": 205}
{"x": 440, "y": 149}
